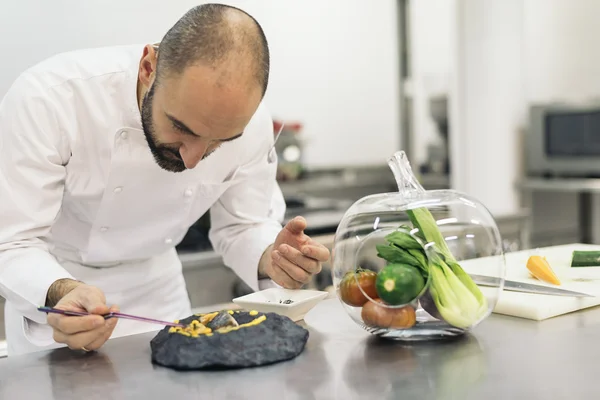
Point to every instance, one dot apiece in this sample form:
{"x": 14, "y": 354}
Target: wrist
{"x": 59, "y": 289}
{"x": 264, "y": 263}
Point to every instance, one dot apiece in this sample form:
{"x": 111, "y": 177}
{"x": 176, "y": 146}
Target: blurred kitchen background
{"x": 497, "y": 98}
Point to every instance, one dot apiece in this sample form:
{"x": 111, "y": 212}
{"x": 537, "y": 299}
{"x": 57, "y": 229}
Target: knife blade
{"x": 110, "y": 315}
{"x": 515, "y": 286}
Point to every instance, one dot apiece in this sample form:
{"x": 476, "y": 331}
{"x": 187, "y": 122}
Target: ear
{"x": 147, "y": 69}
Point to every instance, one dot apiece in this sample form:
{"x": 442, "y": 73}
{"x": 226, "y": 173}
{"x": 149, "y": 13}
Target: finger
{"x": 93, "y": 301}
{"x": 316, "y": 251}
{"x": 78, "y": 340}
{"x": 296, "y": 225}
{"x": 109, "y": 328}
{"x": 296, "y": 257}
{"x": 280, "y": 275}
{"x": 71, "y": 325}
{"x": 94, "y": 306}
{"x": 284, "y": 279}
{"x": 296, "y": 272}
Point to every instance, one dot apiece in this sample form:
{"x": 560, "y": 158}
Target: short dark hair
{"x": 205, "y": 34}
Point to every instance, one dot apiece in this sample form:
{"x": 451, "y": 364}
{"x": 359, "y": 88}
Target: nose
{"x": 192, "y": 154}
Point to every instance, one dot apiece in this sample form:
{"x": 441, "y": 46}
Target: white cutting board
{"x": 537, "y": 306}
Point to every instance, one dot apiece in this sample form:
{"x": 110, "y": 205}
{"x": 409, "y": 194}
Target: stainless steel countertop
{"x": 503, "y": 358}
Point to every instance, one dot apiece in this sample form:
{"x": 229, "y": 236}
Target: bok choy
{"x": 452, "y": 295}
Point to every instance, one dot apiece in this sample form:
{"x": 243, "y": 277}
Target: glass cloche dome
{"x": 417, "y": 264}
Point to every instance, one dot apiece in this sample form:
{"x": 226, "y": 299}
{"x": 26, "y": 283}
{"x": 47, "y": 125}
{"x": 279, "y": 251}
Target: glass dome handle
{"x": 405, "y": 178}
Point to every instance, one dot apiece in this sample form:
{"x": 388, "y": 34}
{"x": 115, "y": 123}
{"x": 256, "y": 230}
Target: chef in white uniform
{"x": 108, "y": 156}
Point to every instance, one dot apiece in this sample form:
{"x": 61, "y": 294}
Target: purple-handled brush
{"x": 110, "y": 315}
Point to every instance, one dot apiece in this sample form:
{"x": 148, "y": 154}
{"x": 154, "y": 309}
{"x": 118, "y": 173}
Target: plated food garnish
{"x": 228, "y": 338}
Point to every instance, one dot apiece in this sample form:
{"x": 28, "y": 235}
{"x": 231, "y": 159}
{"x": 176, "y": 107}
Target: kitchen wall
{"x": 507, "y": 54}
{"x": 487, "y": 101}
{"x": 430, "y": 29}
{"x": 335, "y": 64}
{"x": 562, "y": 50}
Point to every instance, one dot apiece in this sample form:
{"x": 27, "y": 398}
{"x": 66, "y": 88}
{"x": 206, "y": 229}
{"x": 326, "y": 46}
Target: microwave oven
{"x": 563, "y": 140}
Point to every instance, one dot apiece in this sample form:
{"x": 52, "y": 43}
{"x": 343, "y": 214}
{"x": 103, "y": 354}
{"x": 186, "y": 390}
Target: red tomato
{"x": 351, "y": 284}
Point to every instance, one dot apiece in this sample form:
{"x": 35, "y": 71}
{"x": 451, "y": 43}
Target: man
{"x": 106, "y": 159}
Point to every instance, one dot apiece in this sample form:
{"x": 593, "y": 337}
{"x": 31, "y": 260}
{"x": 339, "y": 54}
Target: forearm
{"x": 246, "y": 249}
{"x": 59, "y": 289}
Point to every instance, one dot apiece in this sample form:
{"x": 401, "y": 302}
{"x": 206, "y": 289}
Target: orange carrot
{"x": 540, "y": 269}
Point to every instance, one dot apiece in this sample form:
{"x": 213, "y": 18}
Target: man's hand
{"x": 82, "y": 333}
{"x": 294, "y": 257}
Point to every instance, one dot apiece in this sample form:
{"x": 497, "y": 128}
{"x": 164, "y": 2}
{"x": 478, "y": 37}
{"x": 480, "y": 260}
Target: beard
{"x": 167, "y": 158}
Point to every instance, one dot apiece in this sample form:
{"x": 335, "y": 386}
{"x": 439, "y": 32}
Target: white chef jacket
{"x": 81, "y": 196}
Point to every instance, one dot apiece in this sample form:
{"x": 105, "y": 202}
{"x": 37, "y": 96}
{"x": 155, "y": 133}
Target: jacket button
{"x": 188, "y": 192}
{"x": 118, "y": 189}
{"x": 123, "y": 134}
{"x": 168, "y": 241}
{"x": 103, "y": 229}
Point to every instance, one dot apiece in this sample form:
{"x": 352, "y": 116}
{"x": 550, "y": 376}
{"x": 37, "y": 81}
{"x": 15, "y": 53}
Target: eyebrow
{"x": 184, "y": 127}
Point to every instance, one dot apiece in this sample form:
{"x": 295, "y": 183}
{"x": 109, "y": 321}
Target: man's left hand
{"x": 294, "y": 258}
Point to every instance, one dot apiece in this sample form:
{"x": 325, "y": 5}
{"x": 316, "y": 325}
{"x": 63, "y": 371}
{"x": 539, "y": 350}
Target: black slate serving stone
{"x": 273, "y": 340}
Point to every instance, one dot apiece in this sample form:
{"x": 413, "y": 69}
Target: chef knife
{"x": 110, "y": 315}
{"x": 514, "y": 286}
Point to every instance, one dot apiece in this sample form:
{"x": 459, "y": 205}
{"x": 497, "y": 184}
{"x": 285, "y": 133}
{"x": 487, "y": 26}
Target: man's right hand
{"x": 83, "y": 333}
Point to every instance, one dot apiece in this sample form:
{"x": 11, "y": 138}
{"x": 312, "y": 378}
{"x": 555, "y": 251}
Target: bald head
{"x": 221, "y": 37}
{"x": 202, "y": 87}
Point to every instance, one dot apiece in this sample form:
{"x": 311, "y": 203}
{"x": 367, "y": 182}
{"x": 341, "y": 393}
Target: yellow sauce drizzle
{"x": 206, "y": 318}
{"x": 197, "y": 328}
{"x": 194, "y": 329}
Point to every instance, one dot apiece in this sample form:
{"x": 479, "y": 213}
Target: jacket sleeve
{"x": 32, "y": 175}
{"x": 246, "y": 218}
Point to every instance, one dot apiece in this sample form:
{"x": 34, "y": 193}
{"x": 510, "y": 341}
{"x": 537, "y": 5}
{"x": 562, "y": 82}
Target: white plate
{"x": 273, "y": 300}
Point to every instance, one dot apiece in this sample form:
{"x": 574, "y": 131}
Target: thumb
{"x": 296, "y": 225}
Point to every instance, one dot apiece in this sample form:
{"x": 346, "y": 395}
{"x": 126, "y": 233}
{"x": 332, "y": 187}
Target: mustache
{"x": 173, "y": 152}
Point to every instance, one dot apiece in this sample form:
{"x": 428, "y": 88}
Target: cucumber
{"x": 398, "y": 284}
{"x": 585, "y": 259}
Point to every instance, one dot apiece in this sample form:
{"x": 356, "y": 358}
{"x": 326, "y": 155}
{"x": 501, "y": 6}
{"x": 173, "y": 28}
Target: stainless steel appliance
{"x": 289, "y": 149}
{"x": 563, "y": 139}
{"x": 437, "y": 162}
